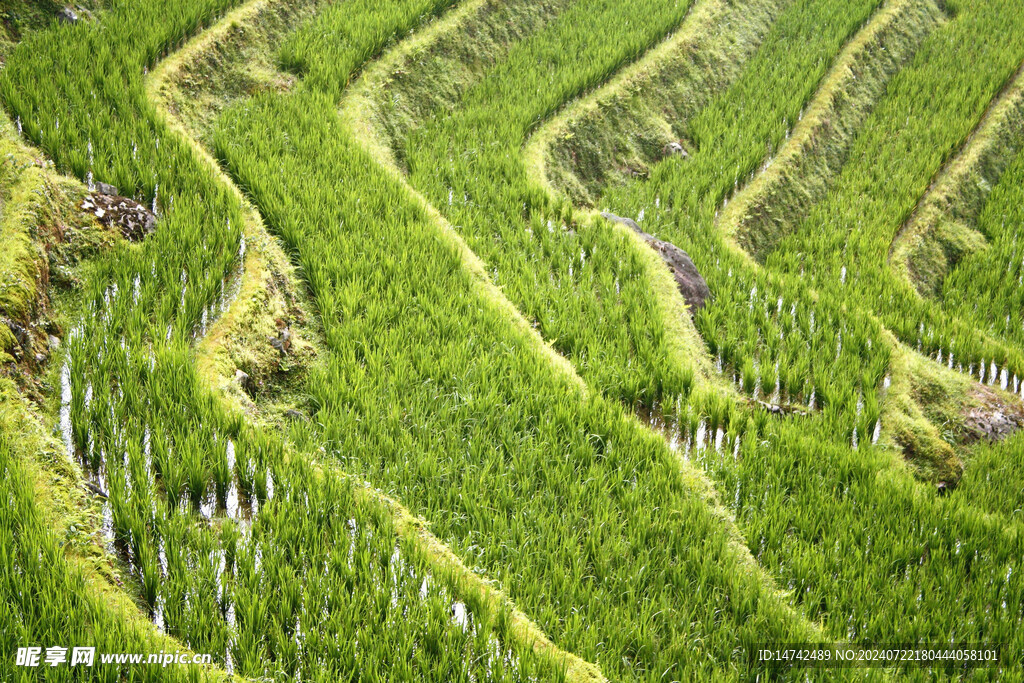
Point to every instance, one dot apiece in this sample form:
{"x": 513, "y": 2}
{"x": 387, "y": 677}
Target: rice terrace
{"x": 512, "y": 340}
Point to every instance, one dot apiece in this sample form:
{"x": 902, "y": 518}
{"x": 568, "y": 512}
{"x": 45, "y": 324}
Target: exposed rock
{"x": 243, "y": 379}
{"x": 675, "y": 148}
{"x": 283, "y": 345}
{"x": 66, "y": 15}
{"x": 133, "y": 219}
{"x": 21, "y": 335}
{"x": 689, "y": 281}
{"x": 293, "y": 414}
{"x": 283, "y": 341}
{"x": 53, "y": 342}
{"x": 628, "y": 222}
{"x": 107, "y": 189}
{"x": 994, "y": 426}
{"x": 94, "y": 489}
{"x": 776, "y": 409}
{"x": 943, "y": 488}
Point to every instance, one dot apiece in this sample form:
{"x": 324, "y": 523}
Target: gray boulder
{"x": 293, "y": 414}
{"x": 675, "y": 149}
{"x": 688, "y": 279}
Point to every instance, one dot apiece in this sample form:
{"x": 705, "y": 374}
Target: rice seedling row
{"x": 433, "y": 395}
{"x": 802, "y": 495}
{"x": 185, "y": 482}
{"x": 843, "y": 241}
{"x": 45, "y": 601}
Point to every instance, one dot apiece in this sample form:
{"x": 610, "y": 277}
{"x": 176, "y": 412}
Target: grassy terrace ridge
{"x": 941, "y": 231}
{"x": 269, "y": 284}
{"x": 222, "y": 65}
{"x": 20, "y": 271}
{"x": 232, "y": 60}
{"x": 46, "y": 238}
{"x": 619, "y": 131}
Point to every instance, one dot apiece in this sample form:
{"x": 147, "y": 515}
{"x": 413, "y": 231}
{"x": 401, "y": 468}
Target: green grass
{"x": 46, "y": 602}
{"x": 158, "y": 443}
{"x": 45, "y": 239}
{"x": 477, "y": 432}
{"x": 445, "y": 279}
{"x": 836, "y": 522}
{"x": 985, "y": 285}
{"x": 19, "y": 272}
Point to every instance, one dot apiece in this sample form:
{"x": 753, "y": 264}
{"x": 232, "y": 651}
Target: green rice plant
{"x": 45, "y": 600}
{"x": 173, "y": 477}
{"x": 818, "y": 512}
{"x": 985, "y": 285}
{"x": 130, "y": 387}
{"x": 222, "y": 471}
{"x": 992, "y": 483}
{"x": 428, "y": 384}
{"x": 191, "y": 459}
{"x": 749, "y": 376}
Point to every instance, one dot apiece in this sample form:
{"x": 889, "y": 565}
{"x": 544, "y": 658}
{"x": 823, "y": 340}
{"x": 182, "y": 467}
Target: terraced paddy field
{"x": 512, "y": 340}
